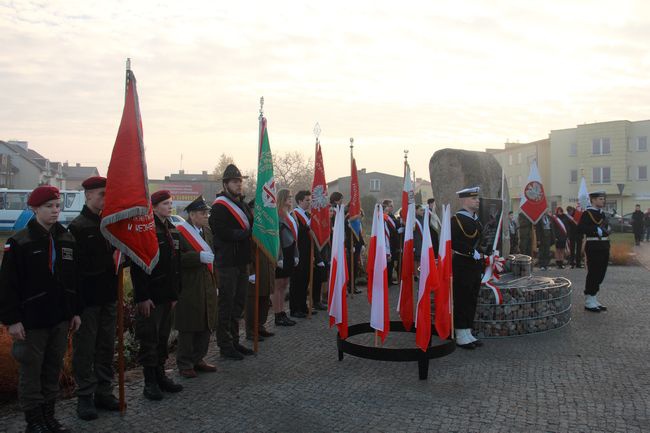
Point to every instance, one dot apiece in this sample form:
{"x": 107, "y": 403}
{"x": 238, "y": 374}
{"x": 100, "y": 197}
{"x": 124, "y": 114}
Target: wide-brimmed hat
{"x": 232, "y": 172}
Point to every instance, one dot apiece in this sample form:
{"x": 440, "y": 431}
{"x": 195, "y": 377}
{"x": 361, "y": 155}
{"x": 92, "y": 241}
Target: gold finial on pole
{"x": 317, "y": 131}
{"x": 351, "y": 145}
{"x": 261, "y": 107}
{"x": 128, "y": 63}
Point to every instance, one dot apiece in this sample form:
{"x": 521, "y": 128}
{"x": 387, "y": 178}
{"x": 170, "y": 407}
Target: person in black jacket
{"x": 394, "y": 229}
{"x": 575, "y": 239}
{"x": 39, "y": 303}
{"x": 467, "y": 266}
{"x": 94, "y": 344}
{"x": 593, "y": 224}
{"x": 300, "y": 277}
{"x": 637, "y": 224}
{"x": 156, "y": 295}
{"x": 231, "y": 222}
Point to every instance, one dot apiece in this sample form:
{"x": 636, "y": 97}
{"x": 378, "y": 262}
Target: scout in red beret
{"x": 159, "y": 196}
{"x": 94, "y": 183}
{"x": 42, "y": 195}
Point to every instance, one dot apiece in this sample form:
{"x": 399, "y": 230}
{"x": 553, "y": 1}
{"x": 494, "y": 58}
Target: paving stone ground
{"x": 590, "y": 376}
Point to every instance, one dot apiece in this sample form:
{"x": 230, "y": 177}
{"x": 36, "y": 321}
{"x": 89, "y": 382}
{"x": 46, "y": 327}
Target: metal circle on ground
{"x": 530, "y": 305}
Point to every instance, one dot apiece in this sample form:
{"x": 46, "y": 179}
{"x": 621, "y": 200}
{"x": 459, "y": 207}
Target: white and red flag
{"x": 378, "y": 276}
{"x": 583, "y": 200}
{"x": 427, "y": 283}
{"x": 442, "y": 296}
{"x": 533, "y": 199}
{"x": 320, "y": 206}
{"x": 405, "y": 303}
{"x": 127, "y": 219}
{"x": 337, "y": 307}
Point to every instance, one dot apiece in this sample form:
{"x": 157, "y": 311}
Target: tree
{"x": 224, "y": 160}
{"x": 250, "y": 184}
{"x": 293, "y": 171}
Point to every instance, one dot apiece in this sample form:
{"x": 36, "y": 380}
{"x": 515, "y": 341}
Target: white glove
{"x": 477, "y": 255}
{"x": 280, "y": 264}
{"x": 600, "y": 231}
{"x": 400, "y": 230}
{"x": 296, "y": 260}
{"x": 206, "y": 257}
{"x": 320, "y": 264}
{"x": 251, "y": 279}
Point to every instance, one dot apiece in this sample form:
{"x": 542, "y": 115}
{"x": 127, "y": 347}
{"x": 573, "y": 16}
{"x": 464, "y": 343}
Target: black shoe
{"x": 231, "y": 353}
{"x": 320, "y": 306}
{"x": 602, "y": 308}
{"x": 593, "y": 310}
{"x": 251, "y": 337}
{"x": 281, "y": 319}
{"x": 357, "y": 291}
{"x": 48, "y": 415}
{"x": 478, "y": 343}
{"x": 86, "y": 409}
{"x": 298, "y": 315}
{"x": 265, "y": 333}
{"x": 468, "y": 346}
{"x": 243, "y": 349}
{"x": 580, "y": 266}
{"x": 313, "y": 311}
{"x": 107, "y": 402}
{"x": 165, "y": 383}
{"x": 151, "y": 389}
{"x": 35, "y": 421}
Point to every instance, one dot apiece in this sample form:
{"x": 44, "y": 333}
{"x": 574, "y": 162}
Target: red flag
{"x": 405, "y": 305}
{"x": 378, "y": 276}
{"x": 442, "y": 291}
{"x": 428, "y": 280}
{"x": 355, "y": 196}
{"x": 533, "y": 200}
{"x": 320, "y": 218}
{"x": 127, "y": 218}
{"x": 337, "y": 307}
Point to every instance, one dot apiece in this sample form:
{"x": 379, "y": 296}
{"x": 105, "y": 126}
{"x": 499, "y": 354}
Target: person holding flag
{"x": 231, "y": 221}
{"x": 300, "y": 279}
{"x": 393, "y": 230}
{"x": 196, "y": 311}
{"x": 467, "y": 266}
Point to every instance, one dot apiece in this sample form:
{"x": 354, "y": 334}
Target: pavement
{"x": 590, "y": 376}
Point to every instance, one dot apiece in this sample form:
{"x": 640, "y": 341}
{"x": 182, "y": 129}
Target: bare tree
{"x": 291, "y": 170}
{"x": 224, "y": 160}
{"x": 250, "y": 184}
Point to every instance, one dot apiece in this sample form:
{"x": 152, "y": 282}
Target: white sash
{"x": 235, "y": 210}
{"x": 302, "y": 215}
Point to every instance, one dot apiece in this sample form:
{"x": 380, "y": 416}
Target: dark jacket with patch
{"x": 163, "y": 285}
{"x": 29, "y": 291}
{"x": 96, "y": 267}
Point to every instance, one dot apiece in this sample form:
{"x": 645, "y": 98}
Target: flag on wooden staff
{"x": 378, "y": 276}
{"x": 428, "y": 280}
{"x": 405, "y": 304}
{"x": 442, "y": 293}
{"x": 320, "y": 208}
{"x": 337, "y": 302}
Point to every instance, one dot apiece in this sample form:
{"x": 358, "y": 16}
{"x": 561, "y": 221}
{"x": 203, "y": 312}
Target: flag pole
{"x": 310, "y": 285}
{"x": 401, "y": 236}
{"x": 352, "y": 279}
{"x": 256, "y": 319}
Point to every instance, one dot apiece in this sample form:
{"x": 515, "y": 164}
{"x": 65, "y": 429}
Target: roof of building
{"x": 79, "y": 172}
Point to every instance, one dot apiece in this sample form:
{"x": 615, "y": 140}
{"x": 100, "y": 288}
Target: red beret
{"x": 43, "y": 194}
{"x": 94, "y": 183}
{"x": 159, "y": 196}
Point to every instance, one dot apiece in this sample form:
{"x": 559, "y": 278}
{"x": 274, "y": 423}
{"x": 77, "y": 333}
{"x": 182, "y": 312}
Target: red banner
{"x": 320, "y": 209}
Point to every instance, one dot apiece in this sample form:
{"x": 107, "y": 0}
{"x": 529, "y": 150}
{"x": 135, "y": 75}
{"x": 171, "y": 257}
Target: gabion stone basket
{"x": 530, "y": 305}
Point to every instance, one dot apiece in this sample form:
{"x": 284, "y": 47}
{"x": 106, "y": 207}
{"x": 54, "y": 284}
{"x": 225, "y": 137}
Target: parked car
{"x": 621, "y": 224}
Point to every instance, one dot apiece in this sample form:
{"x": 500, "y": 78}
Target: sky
{"x": 418, "y": 75}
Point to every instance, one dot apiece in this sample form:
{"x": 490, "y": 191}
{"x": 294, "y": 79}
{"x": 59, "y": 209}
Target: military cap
{"x": 94, "y": 183}
{"x": 159, "y": 196}
{"x": 198, "y": 204}
{"x": 469, "y": 192}
{"x": 42, "y": 194}
{"x": 597, "y": 194}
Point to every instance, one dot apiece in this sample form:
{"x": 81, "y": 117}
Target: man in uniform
{"x": 94, "y": 344}
{"x": 434, "y": 225}
{"x": 394, "y": 229}
{"x": 156, "y": 296}
{"x": 593, "y": 224}
{"x": 231, "y": 222}
{"x": 39, "y": 305}
{"x": 467, "y": 266}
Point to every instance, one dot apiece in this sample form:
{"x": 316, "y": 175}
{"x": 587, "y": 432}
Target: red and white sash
{"x": 418, "y": 226}
{"x": 560, "y": 224}
{"x": 235, "y": 210}
{"x": 301, "y": 216}
{"x": 193, "y": 237}
{"x": 293, "y": 225}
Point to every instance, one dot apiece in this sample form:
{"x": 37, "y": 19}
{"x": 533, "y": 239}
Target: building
{"x": 374, "y": 184}
{"x": 185, "y": 187}
{"x": 24, "y": 168}
{"x": 76, "y": 174}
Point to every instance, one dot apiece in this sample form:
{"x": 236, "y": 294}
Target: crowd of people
{"x": 210, "y": 275}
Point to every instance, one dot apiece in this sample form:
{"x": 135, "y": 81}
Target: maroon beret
{"x": 94, "y": 183}
{"x": 43, "y": 194}
{"x": 159, "y": 196}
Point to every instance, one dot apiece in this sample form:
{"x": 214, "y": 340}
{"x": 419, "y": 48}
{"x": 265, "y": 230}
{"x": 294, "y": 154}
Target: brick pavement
{"x": 590, "y": 376}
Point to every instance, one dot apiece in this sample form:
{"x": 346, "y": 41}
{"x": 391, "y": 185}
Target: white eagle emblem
{"x": 319, "y": 198}
{"x": 534, "y": 191}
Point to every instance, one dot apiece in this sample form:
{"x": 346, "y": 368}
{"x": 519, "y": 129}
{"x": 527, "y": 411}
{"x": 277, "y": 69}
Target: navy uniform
{"x": 38, "y": 299}
{"x": 593, "y": 224}
{"x": 467, "y": 267}
{"x": 94, "y": 344}
{"x": 161, "y": 287}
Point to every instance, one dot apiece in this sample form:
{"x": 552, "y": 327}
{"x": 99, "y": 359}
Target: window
{"x": 16, "y": 201}
{"x": 628, "y": 171}
{"x": 573, "y": 177}
{"x": 643, "y": 172}
{"x": 642, "y": 144}
{"x": 573, "y": 149}
{"x": 69, "y": 199}
{"x": 601, "y": 175}
{"x": 519, "y": 158}
{"x": 510, "y": 159}
{"x": 375, "y": 185}
{"x": 600, "y": 146}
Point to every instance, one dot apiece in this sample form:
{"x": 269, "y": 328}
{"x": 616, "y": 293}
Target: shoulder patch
{"x": 66, "y": 253}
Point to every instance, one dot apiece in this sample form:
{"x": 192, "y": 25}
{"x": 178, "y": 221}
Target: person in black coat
{"x": 395, "y": 229}
{"x": 40, "y": 304}
{"x": 593, "y": 224}
{"x": 637, "y": 224}
{"x": 156, "y": 296}
{"x": 575, "y": 238}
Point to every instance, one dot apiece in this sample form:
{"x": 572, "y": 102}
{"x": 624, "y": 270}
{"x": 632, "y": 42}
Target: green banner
{"x": 265, "y": 222}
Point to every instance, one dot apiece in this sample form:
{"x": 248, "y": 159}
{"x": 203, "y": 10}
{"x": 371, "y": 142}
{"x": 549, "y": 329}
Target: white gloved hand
{"x": 477, "y": 255}
{"x": 320, "y": 264}
{"x": 600, "y": 231}
{"x": 400, "y": 230}
{"x": 251, "y": 279}
{"x": 296, "y": 260}
{"x": 280, "y": 264}
{"x": 206, "y": 257}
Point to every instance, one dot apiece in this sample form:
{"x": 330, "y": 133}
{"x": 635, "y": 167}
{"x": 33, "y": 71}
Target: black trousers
{"x": 575, "y": 250}
{"x": 233, "y": 286}
{"x": 467, "y": 282}
{"x": 153, "y": 334}
{"x": 298, "y": 287}
{"x": 597, "y": 253}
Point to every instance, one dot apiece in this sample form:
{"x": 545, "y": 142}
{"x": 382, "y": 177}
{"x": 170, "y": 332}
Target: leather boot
{"x": 50, "y": 421}
{"x": 86, "y": 409}
{"x": 151, "y": 389}
{"x": 35, "y": 421}
{"x": 165, "y": 383}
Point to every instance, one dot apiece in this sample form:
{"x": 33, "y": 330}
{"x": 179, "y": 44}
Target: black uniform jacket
{"x": 29, "y": 291}
{"x": 590, "y": 220}
{"x": 465, "y": 237}
{"x": 95, "y": 264}
{"x": 232, "y": 243}
{"x": 163, "y": 285}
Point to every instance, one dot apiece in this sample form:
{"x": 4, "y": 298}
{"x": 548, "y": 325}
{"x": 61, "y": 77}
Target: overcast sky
{"x": 394, "y": 75}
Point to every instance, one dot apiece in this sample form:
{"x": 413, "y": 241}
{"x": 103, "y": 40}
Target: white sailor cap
{"x": 469, "y": 192}
{"x": 596, "y": 194}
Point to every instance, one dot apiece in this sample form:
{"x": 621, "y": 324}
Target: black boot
{"x": 151, "y": 389}
{"x": 50, "y": 421}
{"x": 107, "y": 402}
{"x": 165, "y": 383}
{"x": 86, "y": 408}
{"x": 35, "y": 421}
